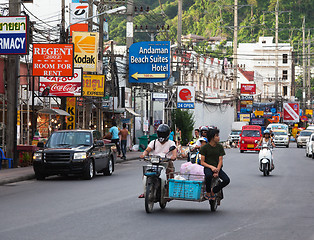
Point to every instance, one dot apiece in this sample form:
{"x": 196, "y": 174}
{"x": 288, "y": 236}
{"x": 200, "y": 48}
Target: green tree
{"x": 184, "y": 120}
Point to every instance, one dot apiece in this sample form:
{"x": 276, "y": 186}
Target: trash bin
{"x": 143, "y": 141}
{"x": 153, "y": 137}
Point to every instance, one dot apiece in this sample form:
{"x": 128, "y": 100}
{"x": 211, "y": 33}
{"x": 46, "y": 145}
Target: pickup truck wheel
{"x": 89, "y": 170}
{"x": 110, "y": 168}
{"x": 39, "y": 176}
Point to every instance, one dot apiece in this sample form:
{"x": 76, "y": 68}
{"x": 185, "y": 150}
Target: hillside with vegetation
{"x": 212, "y": 18}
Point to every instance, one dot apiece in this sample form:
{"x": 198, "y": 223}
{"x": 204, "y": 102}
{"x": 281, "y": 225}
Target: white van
{"x": 278, "y": 126}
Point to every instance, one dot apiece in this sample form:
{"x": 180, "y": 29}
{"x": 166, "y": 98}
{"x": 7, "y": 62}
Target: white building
{"x": 260, "y": 58}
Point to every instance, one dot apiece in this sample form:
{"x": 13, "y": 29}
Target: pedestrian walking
{"x": 115, "y": 136}
{"x": 124, "y": 134}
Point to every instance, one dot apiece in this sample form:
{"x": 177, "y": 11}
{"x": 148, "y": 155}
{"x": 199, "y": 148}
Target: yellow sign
{"x": 86, "y": 50}
{"x": 308, "y": 112}
{"x": 245, "y": 117}
{"x": 18, "y": 117}
{"x": 71, "y": 109}
{"x": 137, "y": 75}
{"x": 259, "y": 113}
{"x": 93, "y": 86}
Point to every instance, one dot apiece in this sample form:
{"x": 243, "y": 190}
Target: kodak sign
{"x": 86, "y": 50}
{"x": 51, "y": 60}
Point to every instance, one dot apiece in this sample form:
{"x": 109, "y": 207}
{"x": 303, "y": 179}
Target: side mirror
{"x": 41, "y": 144}
{"x": 256, "y": 141}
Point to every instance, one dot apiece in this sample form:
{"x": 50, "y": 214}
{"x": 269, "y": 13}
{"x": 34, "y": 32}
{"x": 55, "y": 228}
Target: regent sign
{"x": 51, "y": 60}
{"x": 149, "y": 61}
{"x": 13, "y": 35}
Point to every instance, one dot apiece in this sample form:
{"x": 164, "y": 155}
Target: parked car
{"x": 309, "y": 146}
{"x": 80, "y": 152}
{"x": 303, "y": 137}
{"x": 281, "y": 138}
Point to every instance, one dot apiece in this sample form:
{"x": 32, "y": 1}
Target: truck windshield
{"x": 250, "y": 133}
{"x": 69, "y": 139}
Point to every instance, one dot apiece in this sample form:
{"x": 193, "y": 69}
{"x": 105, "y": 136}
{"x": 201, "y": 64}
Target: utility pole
{"x": 63, "y": 40}
{"x": 129, "y": 24}
{"x": 309, "y": 70}
{"x": 276, "y": 53}
{"x": 13, "y": 72}
{"x": 304, "y": 63}
{"x": 235, "y": 59}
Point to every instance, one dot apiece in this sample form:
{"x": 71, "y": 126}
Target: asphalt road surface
{"x": 279, "y": 206}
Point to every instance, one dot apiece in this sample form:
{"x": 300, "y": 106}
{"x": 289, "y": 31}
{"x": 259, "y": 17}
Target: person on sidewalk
{"x": 115, "y": 137}
{"x": 124, "y": 134}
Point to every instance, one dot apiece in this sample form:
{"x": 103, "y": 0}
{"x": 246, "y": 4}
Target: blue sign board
{"x": 13, "y": 35}
{"x": 149, "y": 62}
{"x": 185, "y": 105}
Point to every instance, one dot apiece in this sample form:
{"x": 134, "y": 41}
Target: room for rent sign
{"x": 51, "y": 60}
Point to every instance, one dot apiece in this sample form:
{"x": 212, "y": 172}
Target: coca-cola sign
{"x": 62, "y": 86}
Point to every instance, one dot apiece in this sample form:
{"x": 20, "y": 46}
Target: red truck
{"x": 248, "y": 136}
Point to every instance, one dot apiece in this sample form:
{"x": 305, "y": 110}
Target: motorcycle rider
{"x": 267, "y": 139}
{"x": 160, "y": 147}
{"x": 212, "y": 159}
{"x": 203, "y": 131}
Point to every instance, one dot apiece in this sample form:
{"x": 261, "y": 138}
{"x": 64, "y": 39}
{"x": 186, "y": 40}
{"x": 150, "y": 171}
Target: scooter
{"x": 265, "y": 159}
{"x": 156, "y": 181}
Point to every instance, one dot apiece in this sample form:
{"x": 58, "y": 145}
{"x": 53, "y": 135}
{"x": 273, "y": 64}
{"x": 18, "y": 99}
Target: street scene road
{"x": 278, "y": 206}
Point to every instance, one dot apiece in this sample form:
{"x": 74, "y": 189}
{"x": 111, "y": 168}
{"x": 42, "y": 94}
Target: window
{"x": 284, "y": 75}
{"x": 285, "y": 90}
{"x": 284, "y": 58}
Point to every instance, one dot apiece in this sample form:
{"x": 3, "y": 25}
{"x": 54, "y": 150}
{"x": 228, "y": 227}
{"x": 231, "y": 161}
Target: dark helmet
{"x": 163, "y": 132}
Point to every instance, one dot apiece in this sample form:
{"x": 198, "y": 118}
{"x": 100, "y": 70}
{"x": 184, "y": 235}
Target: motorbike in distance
{"x": 265, "y": 158}
{"x": 156, "y": 181}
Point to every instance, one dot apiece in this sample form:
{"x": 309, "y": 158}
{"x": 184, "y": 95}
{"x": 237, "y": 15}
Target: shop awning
{"x": 130, "y": 110}
{"x": 53, "y": 111}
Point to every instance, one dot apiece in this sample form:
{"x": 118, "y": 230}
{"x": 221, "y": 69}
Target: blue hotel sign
{"x": 13, "y": 35}
{"x": 149, "y": 62}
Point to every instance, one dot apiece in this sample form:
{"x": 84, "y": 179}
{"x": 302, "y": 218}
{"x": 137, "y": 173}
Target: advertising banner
{"x": 149, "y": 61}
{"x": 78, "y": 12}
{"x": 62, "y": 86}
{"x": 53, "y": 60}
{"x": 291, "y": 112}
{"x": 71, "y": 109}
{"x": 86, "y": 50}
{"x": 185, "y": 97}
{"x": 245, "y": 117}
{"x": 93, "y": 85}
{"x": 248, "y": 89}
{"x": 13, "y": 35}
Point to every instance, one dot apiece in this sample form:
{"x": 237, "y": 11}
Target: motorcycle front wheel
{"x": 149, "y": 197}
{"x": 265, "y": 169}
{"x": 213, "y": 205}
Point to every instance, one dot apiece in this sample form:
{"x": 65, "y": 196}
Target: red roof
{"x": 249, "y": 75}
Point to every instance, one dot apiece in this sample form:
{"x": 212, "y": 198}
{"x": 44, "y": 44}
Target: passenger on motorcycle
{"x": 203, "y": 131}
{"x": 160, "y": 147}
{"x": 203, "y": 141}
{"x": 212, "y": 160}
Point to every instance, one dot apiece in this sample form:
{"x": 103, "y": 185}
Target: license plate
{"x": 250, "y": 146}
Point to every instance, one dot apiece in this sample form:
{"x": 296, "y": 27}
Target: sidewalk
{"x": 26, "y": 173}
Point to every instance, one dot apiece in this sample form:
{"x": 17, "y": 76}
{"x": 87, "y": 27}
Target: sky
{"x": 46, "y": 10}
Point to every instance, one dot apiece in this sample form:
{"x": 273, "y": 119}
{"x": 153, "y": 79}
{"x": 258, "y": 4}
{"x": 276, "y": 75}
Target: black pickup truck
{"x": 79, "y": 152}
